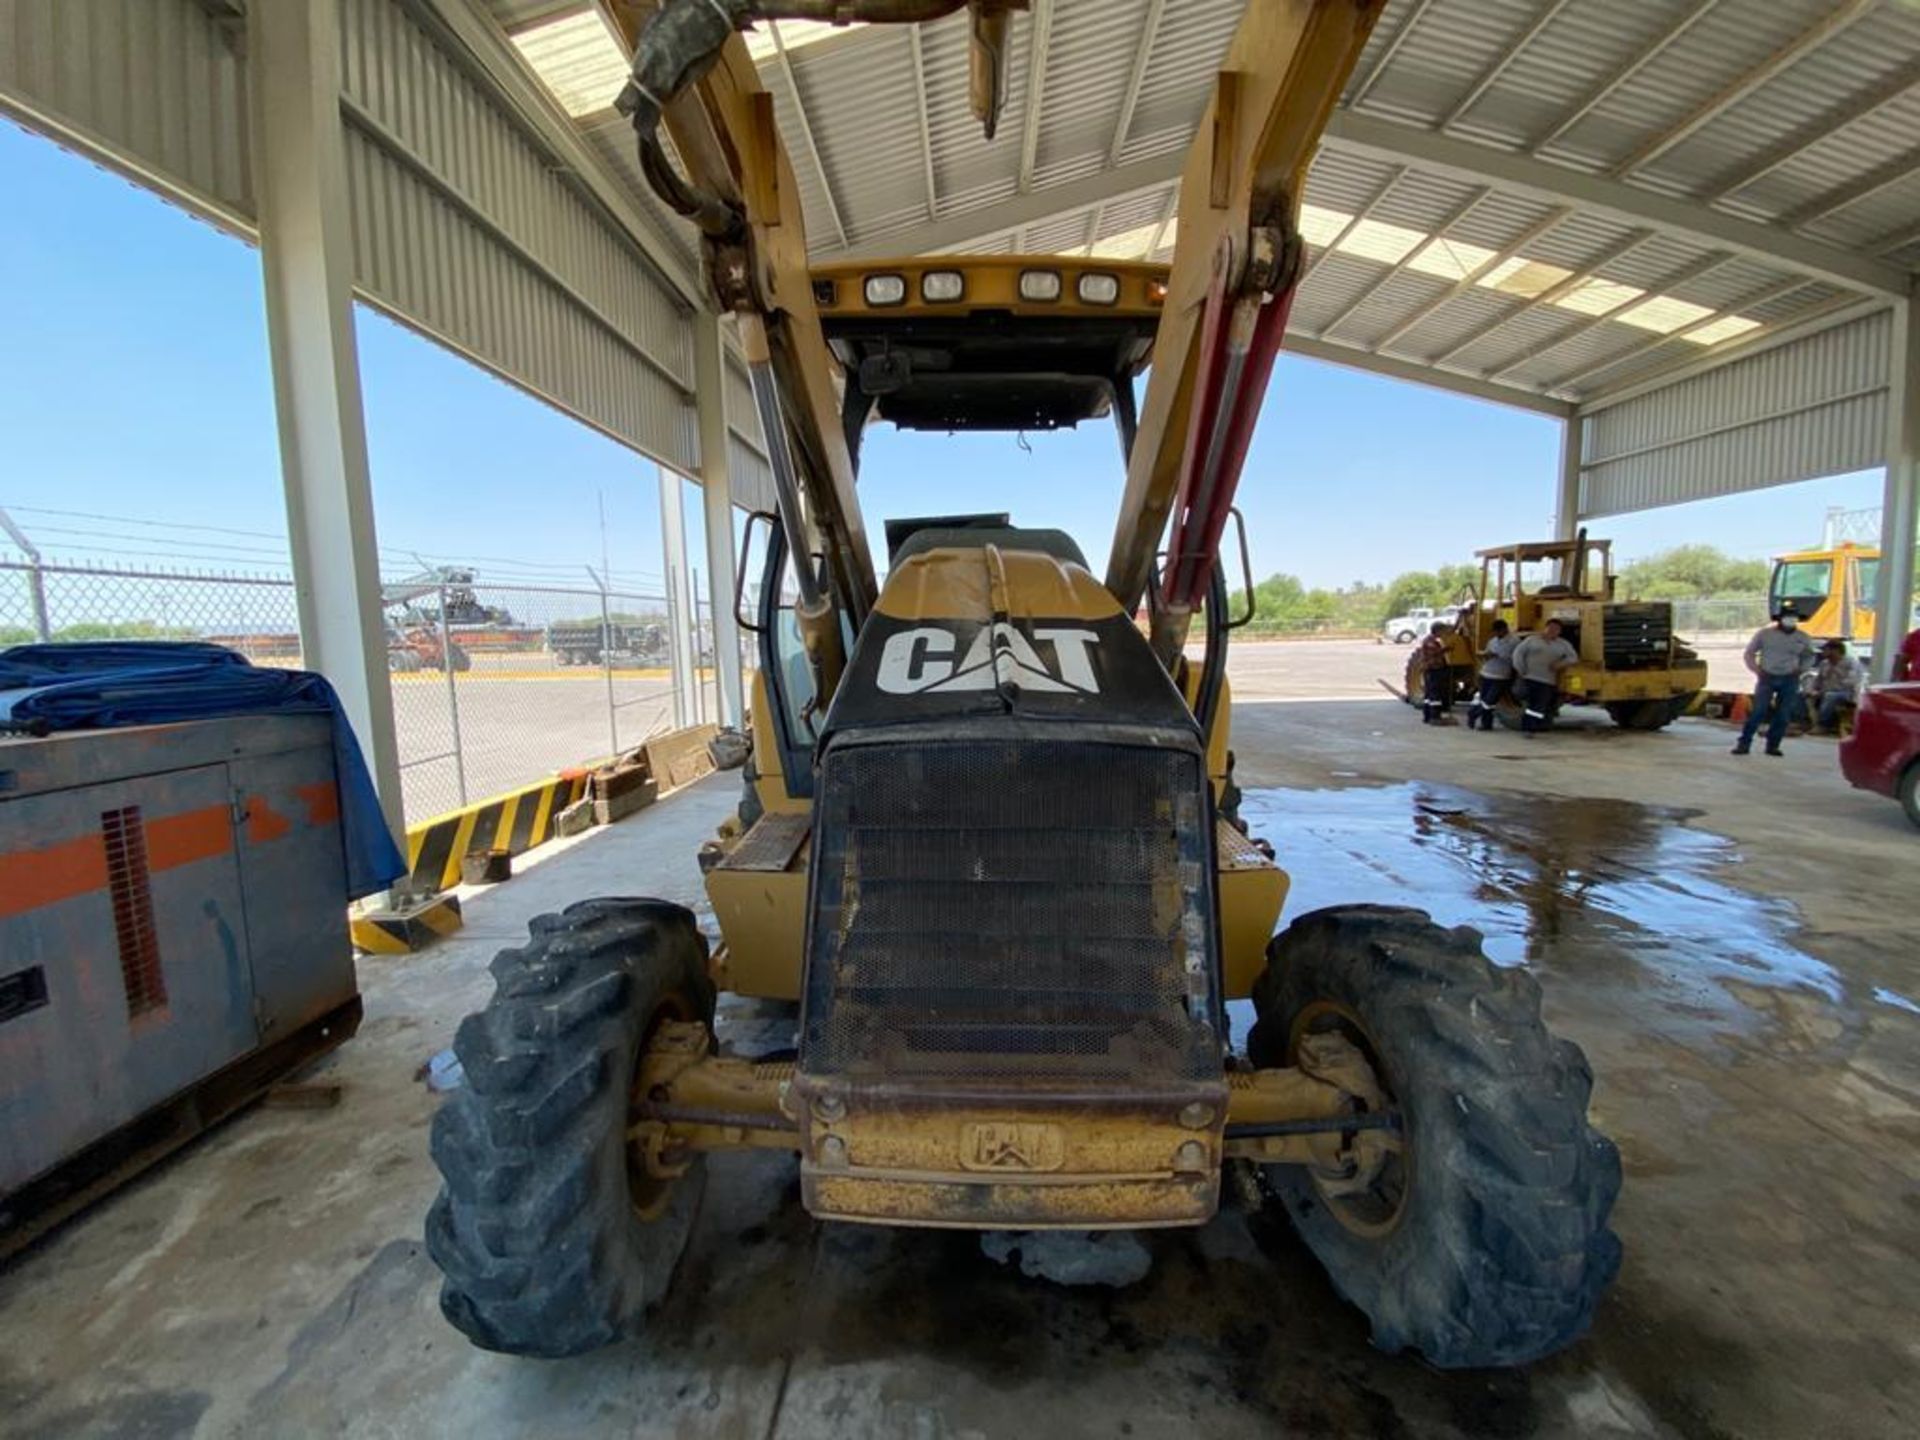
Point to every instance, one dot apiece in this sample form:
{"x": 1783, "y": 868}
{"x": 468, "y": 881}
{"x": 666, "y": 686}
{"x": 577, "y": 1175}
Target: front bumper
{"x": 990, "y": 1160}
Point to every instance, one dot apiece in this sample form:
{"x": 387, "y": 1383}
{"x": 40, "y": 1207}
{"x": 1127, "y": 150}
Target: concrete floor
{"x": 1731, "y": 940}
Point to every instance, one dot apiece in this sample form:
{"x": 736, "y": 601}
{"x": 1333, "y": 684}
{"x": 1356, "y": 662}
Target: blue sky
{"x": 134, "y": 386}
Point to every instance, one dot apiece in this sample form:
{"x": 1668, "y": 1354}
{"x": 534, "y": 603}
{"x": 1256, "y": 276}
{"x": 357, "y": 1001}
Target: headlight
{"x": 1040, "y": 285}
{"x": 1099, "y": 289}
{"x": 886, "y": 289}
{"x": 942, "y": 286}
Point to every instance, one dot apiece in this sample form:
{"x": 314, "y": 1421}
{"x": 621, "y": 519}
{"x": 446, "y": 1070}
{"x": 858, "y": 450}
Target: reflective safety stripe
{"x": 1537, "y": 714}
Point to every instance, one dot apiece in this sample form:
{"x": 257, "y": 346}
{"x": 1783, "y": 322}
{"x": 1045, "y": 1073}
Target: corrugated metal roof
{"x": 1799, "y": 115}
{"x": 1586, "y": 83}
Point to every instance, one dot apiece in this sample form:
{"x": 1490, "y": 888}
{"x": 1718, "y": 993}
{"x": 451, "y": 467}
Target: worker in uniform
{"x": 1496, "y": 677}
{"x": 1538, "y": 661}
{"x": 1832, "y": 686}
{"x": 1436, "y": 676}
{"x": 1776, "y": 655}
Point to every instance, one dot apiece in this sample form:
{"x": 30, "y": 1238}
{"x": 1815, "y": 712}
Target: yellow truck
{"x": 1832, "y": 588}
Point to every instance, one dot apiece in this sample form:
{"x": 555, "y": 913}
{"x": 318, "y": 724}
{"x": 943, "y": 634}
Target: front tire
{"x": 1486, "y": 1241}
{"x": 1910, "y": 792}
{"x": 551, "y": 1239}
{"x": 1647, "y": 714}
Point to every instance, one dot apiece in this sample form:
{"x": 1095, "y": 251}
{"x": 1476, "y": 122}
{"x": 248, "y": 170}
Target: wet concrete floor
{"x": 1733, "y": 947}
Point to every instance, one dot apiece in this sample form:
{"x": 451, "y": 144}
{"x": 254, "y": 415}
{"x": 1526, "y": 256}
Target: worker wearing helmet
{"x": 1777, "y": 655}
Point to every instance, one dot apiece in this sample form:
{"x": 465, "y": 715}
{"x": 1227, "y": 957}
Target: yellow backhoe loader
{"x": 989, "y": 842}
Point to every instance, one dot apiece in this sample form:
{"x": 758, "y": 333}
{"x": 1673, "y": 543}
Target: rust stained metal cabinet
{"x": 173, "y": 936}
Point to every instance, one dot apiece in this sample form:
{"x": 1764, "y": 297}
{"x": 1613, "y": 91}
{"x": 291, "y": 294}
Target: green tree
{"x": 1688, "y": 572}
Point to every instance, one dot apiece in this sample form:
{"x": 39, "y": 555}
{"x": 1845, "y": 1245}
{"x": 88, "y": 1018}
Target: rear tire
{"x": 1910, "y": 792}
{"x": 1494, "y": 1248}
{"x": 547, "y": 1245}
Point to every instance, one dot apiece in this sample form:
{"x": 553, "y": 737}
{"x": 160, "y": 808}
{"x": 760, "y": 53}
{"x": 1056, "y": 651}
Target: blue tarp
{"x": 99, "y": 684}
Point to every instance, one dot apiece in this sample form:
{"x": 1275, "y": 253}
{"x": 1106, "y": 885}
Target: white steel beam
{"x": 306, "y": 264}
{"x": 1136, "y": 78}
{"x": 1546, "y": 297}
{"x": 926, "y": 125}
{"x": 716, "y": 497}
{"x": 1352, "y": 356}
{"x": 1035, "y": 207}
{"x": 1166, "y": 219}
{"x": 1039, "y": 42}
{"x": 1776, "y": 64}
{"x": 1374, "y": 202}
{"x": 1901, "y": 500}
{"x": 1829, "y": 125}
{"x": 1472, "y": 278}
{"x": 1895, "y": 240}
{"x": 1508, "y": 54}
{"x": 1096, "y": 217}
{"x": 1598, "y": 95}
{"x": 1459, "y": 213}
{"x": 1629, "y": 204}
{"x": 1358, "y": 91}
{"x": 1881, "y": 177}
{"x": 785, "y": 62}
{"x": 681, "y": 616}
{"x": 1566, "y": 512}
{"x": 1683, "y": 276}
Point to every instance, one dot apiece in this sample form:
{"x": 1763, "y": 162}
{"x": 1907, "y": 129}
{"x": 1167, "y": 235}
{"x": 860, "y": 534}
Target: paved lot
{"x": 1730, "y": 940}
{"x": 517, "y": 723}
{"x": 521, "y": 717}
{"x": 1354, "y": 669}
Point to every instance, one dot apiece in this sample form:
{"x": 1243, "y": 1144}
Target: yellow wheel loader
{"x": 990, "y": 842}
{"x": 1631, "y": 664}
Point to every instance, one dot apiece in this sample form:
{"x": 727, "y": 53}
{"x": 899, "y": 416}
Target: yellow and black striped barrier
{"x": 515, "y": 821}
{"x": 402, "y": 931}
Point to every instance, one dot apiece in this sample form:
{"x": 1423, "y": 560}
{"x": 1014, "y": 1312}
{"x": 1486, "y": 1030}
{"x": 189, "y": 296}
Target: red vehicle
{"x": 1883, "y": 752}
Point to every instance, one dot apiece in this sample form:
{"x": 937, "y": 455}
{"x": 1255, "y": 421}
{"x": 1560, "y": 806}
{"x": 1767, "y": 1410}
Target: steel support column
{"x": 306, "y": 262}
{"x": 716, "y": 494}
{"x": 1566, "y": 512}
{"x": 683, "y": 622}
{"x": 1893, "y": 601}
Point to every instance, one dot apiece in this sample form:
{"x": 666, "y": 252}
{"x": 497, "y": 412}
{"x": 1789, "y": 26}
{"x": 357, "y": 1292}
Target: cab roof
{"x": 995, "y": 342}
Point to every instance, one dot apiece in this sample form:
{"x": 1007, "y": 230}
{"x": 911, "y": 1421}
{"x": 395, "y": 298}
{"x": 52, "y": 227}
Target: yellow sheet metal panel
{"x": 763, "y": 919}
{"x": 1252, "y": 892}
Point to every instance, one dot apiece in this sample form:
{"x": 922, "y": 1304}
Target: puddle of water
{"x": 1542, "y": 876}
{"x": 1895, "y": 999}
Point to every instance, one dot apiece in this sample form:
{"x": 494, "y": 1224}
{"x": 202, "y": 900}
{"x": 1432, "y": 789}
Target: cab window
{"x": 1866, "y": 575}
{"x": 1805, "y": 582}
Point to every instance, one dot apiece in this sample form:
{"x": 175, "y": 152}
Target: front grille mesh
{"x": 1001, "y": 909}
{"x": 1637, "y": 636}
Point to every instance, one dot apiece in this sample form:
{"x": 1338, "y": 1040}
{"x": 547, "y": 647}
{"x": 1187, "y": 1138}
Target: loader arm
{"x": 722, "y": 126}
{"x": 1234, "y": 268}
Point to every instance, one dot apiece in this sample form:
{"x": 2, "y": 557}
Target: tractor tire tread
{"x": 1503, "y": 1249}
{"x": 540, "y": 1249}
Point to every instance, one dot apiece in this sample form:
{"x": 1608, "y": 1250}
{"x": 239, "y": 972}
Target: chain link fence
{"x": 1721, "y": 615}
{"x": 494, "y": 686}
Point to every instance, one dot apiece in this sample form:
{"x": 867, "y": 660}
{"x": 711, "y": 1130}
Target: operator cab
{"x": 989, "y": 342}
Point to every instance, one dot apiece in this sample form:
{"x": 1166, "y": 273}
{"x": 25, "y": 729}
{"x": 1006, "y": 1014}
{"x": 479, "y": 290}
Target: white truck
{"x": 1405, "y": 629}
